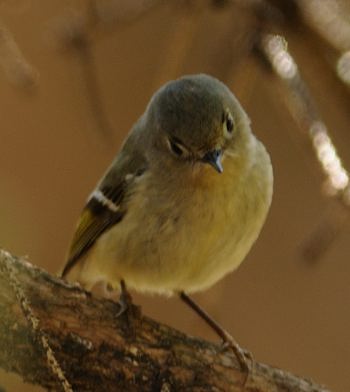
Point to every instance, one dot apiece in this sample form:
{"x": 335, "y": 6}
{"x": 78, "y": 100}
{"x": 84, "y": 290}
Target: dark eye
{"x": 229, "y": 123}
{"x": 175, "y": 148}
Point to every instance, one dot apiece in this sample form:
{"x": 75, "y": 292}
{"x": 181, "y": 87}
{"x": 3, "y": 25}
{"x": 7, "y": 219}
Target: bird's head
{"x": 195, "y": 121}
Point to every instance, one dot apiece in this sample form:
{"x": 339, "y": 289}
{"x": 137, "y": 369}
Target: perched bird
{"x": 183, "y": 201}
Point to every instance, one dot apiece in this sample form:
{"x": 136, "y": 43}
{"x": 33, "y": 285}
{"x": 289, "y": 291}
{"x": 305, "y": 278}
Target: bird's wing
{"x": 106, "y": 206}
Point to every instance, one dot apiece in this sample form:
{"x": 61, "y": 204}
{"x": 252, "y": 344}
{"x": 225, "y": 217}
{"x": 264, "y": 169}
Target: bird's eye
{"x": 177, "y": 148}
{"x": 228, "y": 124}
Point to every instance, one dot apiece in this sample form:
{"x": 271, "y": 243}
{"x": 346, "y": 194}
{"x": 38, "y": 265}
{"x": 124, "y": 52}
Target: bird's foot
{"x": 128, "y": 310}
{"x": 124, "y": 301}
{"x": 244, "y": 357}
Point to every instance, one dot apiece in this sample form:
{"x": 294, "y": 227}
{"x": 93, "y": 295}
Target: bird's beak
{"x": 214, "y": 159}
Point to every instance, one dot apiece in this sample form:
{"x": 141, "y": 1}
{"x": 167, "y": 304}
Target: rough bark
{"x": 61, "y": 337}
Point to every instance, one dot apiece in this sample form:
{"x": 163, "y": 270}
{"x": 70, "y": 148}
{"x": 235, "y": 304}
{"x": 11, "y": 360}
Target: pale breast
{"x": 185, "y": 236}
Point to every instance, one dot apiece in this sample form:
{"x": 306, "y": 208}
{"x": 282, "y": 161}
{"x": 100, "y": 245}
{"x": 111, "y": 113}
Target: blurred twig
{"x": 77, "y": 33}
{"x": 99, "y": 352}
{"x": 272, "y": 50}
{"x": 329, "y": 20}
{"x": 73, "y": 34}
{"x": 13, "y": 63}
{"x": 326, "y": 232}
{"x": 87, "y": 62}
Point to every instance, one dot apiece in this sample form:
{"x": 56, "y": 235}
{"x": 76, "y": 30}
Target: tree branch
{"x": 61, "y": 337}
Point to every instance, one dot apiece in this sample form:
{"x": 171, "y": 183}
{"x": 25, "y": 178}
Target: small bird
{"x": 183, "y": 201}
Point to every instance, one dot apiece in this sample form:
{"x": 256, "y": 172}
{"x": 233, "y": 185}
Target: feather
{"x": 107, "y": 205}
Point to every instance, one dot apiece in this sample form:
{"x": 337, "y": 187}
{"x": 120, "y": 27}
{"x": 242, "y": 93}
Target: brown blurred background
{"x": 75, "y": 75}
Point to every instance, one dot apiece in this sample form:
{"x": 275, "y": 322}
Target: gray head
{"x": 195, "y": 119}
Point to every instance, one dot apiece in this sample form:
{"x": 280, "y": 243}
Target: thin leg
{"x": 125, "y": 300}
{"x": 224, "y": 335}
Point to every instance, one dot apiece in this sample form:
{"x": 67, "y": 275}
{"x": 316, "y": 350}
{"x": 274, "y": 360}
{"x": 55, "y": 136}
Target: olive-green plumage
{"x": 184, "y": 199}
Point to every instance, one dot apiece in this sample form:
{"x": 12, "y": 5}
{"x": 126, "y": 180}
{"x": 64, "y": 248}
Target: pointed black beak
{"x": 214, "y": 159}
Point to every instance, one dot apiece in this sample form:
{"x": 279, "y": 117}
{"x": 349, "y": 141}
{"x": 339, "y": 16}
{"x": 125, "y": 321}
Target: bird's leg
{"x": 241, "y": 355}
{"x": 131, "y": 313}
{"x": 125, "y": 300}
